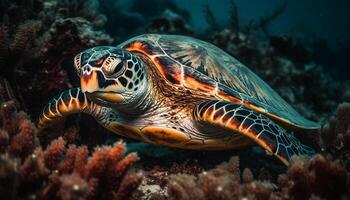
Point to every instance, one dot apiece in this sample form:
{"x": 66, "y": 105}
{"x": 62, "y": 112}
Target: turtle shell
{"x": 199, "y": 65}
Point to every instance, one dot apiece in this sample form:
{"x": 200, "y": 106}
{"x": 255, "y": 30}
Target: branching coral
{"x": 222, "y": 182}
{"x": 60, "y": 171}
{"x": 335, "y": 135}
{"x": 18, "y": 134}
{"x": 318, "y": 178}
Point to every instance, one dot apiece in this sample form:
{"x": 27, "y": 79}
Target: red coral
{"x": 318, "y": 176}
{"x": 59, "y": 171}
{"x": 104, "y": 172}
{"x": 247, "y": 176}
{"x": 81, "y": 157}
{"x": 335, "y": 135}
{"x": 73, "y": 187}
{"x": 109, "y": 167}
{"x": 18, "y": 134}
{"x": 24, "y": 141}
{"x": 53, "y": 153}
{"x": 33, "y": 168}
{"x": 67, "y": 165}
{"x": 4, "y": 140}
{"x": 8, "y": 117}
{"x": 180, "y": 184}
{"x": 222, "y": 182}
{"x": 129, "y": 184}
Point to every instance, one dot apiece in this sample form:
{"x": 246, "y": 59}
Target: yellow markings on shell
{"x": 233, "y": 125}
{"x": 227, "y": 97}
{"x": 137, "y": 46}
{"x": 195, "y": 84}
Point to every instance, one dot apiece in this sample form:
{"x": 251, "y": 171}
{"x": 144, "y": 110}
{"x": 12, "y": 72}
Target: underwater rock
{"x": 170, "y": 23}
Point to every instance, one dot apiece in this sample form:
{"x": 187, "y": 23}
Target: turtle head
{"x": 110, "y": 75}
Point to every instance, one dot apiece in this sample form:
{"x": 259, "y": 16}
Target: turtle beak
{"x": 89, "y": 84}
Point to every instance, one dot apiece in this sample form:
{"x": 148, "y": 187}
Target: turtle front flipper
{"x": 75, "y": 101}
{"x": 68, "y": 102}
{"x": 266, "y": 133}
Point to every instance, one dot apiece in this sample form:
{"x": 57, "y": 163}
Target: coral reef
{"x": 319, "y": 177}
{"x": 38, "y": 40}
{"x": 316, "y": 178}
{"x": 59, "y": 171}
{"x": 335, "y": 135}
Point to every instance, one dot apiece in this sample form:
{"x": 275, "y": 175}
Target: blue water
{"x": 323, "y": 18}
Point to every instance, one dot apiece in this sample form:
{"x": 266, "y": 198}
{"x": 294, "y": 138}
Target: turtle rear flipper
{"x": 254, "y": 125}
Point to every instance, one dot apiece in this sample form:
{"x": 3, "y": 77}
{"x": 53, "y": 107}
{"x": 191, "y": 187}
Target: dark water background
{"x": 324, "y": 19}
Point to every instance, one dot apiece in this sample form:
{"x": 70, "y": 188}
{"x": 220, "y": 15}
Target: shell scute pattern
{"x": 202, "y": 66}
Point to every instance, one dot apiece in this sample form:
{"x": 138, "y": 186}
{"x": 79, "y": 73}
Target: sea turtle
{"x": 181, "y": 92}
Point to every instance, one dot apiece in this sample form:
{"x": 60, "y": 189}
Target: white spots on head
{"x": 86, "y": 70}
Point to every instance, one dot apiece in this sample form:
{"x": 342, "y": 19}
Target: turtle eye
{"x": 113, "y": 67}
{"x": 98, "y": 63}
